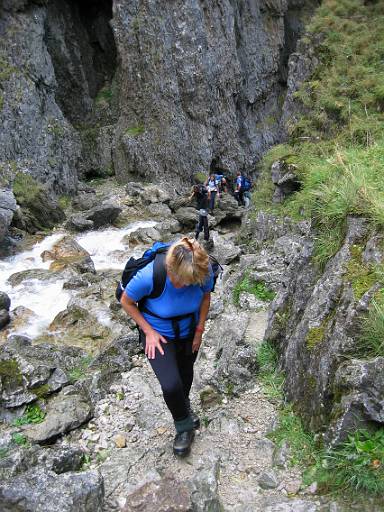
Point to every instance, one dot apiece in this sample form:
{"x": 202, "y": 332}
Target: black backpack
{"x": 157, "y": 254}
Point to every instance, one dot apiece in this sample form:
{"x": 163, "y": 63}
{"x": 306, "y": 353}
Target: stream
{"x": 46, "y": 298}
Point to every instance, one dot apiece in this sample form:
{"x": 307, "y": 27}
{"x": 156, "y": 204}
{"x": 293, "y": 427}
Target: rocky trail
{"x": 84, "y": 427}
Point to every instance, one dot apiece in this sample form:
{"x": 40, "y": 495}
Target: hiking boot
{"x": 182, "y": 443}
{"x": 195, "y": 419}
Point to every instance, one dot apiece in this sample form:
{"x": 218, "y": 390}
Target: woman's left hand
{"x": 196, "y": 341}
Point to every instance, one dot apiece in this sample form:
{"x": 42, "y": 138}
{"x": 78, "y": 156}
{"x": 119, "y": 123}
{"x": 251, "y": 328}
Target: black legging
{"x": 202, "y": 224}
{"x": 174, "y": 371}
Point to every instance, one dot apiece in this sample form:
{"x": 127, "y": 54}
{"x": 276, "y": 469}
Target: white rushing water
{"x": 46, "y": 298}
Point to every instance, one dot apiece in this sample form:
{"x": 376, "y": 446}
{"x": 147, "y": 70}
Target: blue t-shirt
{"x": 172, "y": 302}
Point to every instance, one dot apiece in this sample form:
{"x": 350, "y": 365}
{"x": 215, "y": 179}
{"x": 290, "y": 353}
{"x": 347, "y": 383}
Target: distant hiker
{"x": 239, "y": 190}
{"x": 171, "y": 326}
{"x": 221, "y": 182}
{"x": 246, "y": 186}
{"x": 213, "y": 189}
{"x": 200, "y": 193}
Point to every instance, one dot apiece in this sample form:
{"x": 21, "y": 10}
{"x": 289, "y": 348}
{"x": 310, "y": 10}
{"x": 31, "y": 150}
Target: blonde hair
{"x": 188, "y": 261}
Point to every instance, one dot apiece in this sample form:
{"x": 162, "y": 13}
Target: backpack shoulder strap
{"x": 159, "y": 275}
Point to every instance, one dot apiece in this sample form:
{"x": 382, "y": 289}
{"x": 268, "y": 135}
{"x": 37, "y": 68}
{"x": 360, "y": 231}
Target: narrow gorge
{"x": 110, "y": 110}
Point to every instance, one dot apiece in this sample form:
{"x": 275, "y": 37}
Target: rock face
{"x": 7, "y": 208}
{"x": 315, "y": 321}
{"x": 200, "y": 86}
{"x": 200, "y": 97}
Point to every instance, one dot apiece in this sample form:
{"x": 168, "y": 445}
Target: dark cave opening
{"x": 82, "y": 47}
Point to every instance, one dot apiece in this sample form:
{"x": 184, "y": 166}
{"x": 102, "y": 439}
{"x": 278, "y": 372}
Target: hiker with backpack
{"x": 213, "y": 190}
{"x": 200, "y": 193}
{"x": 169, "y": 298}
{"x": 239, "y": 190}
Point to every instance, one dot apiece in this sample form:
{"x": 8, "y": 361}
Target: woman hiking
{"x": 171, "y": 327}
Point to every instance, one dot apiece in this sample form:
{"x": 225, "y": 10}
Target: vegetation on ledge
{"x": 337, "y": 145}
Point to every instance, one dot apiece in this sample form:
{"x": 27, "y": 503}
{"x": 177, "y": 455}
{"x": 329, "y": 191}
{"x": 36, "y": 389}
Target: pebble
{"x": 120, "y": 441}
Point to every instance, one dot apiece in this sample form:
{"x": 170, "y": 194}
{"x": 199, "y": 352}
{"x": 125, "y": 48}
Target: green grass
{"x": 33, "y": 414}
{"x": 135, "y": 131}
{"x": 19, "y": 439}
{"x": 370, "y": 342}
{"x": 355, "y": 467}
{"x": 271, "y": 379}
{"x": 337, "y": 145}
{"x": 256, "y": 288}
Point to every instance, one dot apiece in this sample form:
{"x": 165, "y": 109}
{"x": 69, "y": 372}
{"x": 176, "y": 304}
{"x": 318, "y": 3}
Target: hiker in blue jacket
{"x": 171, "y": 327}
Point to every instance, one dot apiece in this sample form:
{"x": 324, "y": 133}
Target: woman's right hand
{"x": 153, "y": 341}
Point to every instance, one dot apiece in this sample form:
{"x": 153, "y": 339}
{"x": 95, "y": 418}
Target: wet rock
{"x": 268, "y": 480}
{"x": 5, "y": 301}
{"x": 69, "y": 253}
{"x": 165, "y": 495}
{"x": 41, "y": 490}
{"x": 35, "y": 273}
{"x": 4, "y": 318}
{"x": 169, "y": 227}
{"x": 64, "y": 413}
{"x": 143, "y": 236}
{"x": 103, "y": 214}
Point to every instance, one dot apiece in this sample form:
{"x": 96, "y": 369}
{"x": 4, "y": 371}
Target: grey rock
{"x": 143, "y": 236}
{"x": 187, "y": 217}
{"x": 211, "y": 83}
{"x": 103, "y": 214}
{"x": 147, "y": 194}
{"x": 85, "y": 201}
{"x": 159, "y": 210}
{"x": 61, "y": 459}
{"x": 204, "y": 486}
{"x": 5, "y": 301}
{"x": 64, "y": 413}
{"x": 165, "y": 495}
{"x": 41, "y": 490}
{"x": 4, "y": 318}
{"x": 78, "y": 222}
{"x": 285, "y": 180}
{"x": 7, "y": 208}
{"x": 291, "y": 506}
{"x": 280, "y": 456}
{"x": 268, "y": 480}
{"x": 28, "y": 372}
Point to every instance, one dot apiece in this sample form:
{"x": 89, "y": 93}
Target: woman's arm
{"x": 153, "y": 339}
{"x": 203, "y": 313}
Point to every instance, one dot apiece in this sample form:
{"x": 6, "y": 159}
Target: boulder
{"x": 64, "y": 413}
{"x": 85, "y": 201}
{"x": 28, "y": 372}
{"x": 68, "y": 253}
{"x": 103, "y": 214}
{"x": 79, "y": 223}
{"x": 5, "y": 301}
{"x": 285, "y": 180}
{"x": 147, "y": 194}
{"x": 39, "y": 208}
{"x": 143, "y": 236}
{"x": 4, "y": 318}
{"x": 41, "y": 490}
{"x": 187, "y": 217}
{"x": 7, "y": 208}
{"x": 224, "y": 250}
